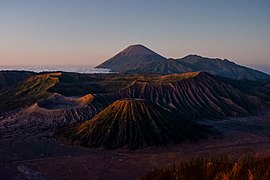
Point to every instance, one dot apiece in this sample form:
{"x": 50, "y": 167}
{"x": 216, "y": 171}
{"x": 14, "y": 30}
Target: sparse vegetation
{"x": 222, "y": 168}
{"x": 134, "y": 123}
{"x": 27, "y": 92}
{"x": 12, "y": 78}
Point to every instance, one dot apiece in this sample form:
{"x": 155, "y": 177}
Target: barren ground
{"x": 26, "y": 153}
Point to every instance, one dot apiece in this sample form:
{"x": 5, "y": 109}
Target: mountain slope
{"x": 195, "y": 95}
{"x": 28, "y": 91}
{"x": 132, "y": 57}
{"x": 260, "y": 89}
{"x": 133, "y": 123}
{"x": 169, "y": 66}
{"x": 139, "y": 59}
{"x": 224, "y": 68}
{"x": 11, "y": 78}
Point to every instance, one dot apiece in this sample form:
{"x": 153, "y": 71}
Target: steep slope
{"x": 139, "y": 59}
{"x": 11, "y": 78}
{"x": 28, "y": 91}
{"x": 75, "y": 84}
{"x": 259, "y": 88}
{"x": 223, "y": 68}
{"x": 40, "y": 118}
{"x": 195, "y": 95}
{"x": 56, "y": 112}
{"x": 216, "y": 66}
{"x": 134, "y": 56}
{"x": 57, "y": 101}
{"x": 30, "y": 104}
{"x": 133, "y": 123}
{"x": 169, "y": 66}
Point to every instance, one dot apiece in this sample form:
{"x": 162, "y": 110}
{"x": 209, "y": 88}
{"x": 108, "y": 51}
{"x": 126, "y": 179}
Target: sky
{"x": 87, "y": 32}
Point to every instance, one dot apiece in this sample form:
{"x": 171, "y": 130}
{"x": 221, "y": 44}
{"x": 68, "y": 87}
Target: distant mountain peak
{"x": 133, "y": 57}
{"x": 137, "y": 49}
{"x": 192, "y": 56}
{"x": 139, "y": 59}
{"x": 195, "y": 57}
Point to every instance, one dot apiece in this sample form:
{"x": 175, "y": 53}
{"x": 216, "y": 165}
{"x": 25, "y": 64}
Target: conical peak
{"x": 137, "y": 49}
{"x": 192, "y": 56}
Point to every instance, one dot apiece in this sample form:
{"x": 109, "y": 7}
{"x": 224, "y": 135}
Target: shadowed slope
{"x": 194, "y": 94}
{"x": 139, "y": 59}
{"x": 57, "y": 101}
{"x": 223, "y": 68}
{"x": 133, "y": 123}
{"x": 11, "y": 78}
{"x": 132, "y": 57}
{"x": 216, "y": 66}
{"x": 168, "y": 66}
{"x": 75, "y": 84}
{"x": 31, "y": 101}
{"x": 197, "y": 95}
{"x": 28, "y": 91}
{"x": 260, "y": 88}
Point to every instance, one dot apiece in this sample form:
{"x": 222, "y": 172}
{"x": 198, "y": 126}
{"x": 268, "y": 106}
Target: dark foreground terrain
{"x": 41, "y": 156}
{"x": 215, "y": 168}
{"x": 36, "y": 110}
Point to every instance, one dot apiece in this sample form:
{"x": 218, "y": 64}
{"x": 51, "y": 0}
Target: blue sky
{"x": 80, "y": 32}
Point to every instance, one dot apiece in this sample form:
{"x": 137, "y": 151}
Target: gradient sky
{"x": 87, "y": 32}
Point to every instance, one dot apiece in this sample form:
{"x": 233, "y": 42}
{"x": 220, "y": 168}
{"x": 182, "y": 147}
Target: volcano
{"x": 139, "y": 59}
{"x": 134, "y": 123}
{"x": 133, "y": 57}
